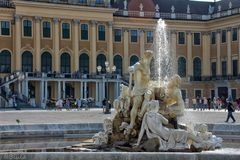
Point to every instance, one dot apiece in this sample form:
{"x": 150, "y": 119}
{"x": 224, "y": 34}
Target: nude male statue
{"x": 141, "y": 72}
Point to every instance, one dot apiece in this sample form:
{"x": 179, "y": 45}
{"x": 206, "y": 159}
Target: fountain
{"x": 146, "y": 118}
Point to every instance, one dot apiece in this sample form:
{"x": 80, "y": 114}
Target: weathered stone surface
{"x": 224, "y": 155}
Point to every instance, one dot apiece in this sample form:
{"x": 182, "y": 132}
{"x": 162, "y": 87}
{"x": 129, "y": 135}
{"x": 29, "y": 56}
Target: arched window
{"x": 101, "y": 33}
{"x": 133, "y": 60}
{"x": 5, "y": 61}
{"x": 27, "y": 61}
{"x": 46, "y": 62}
{"x": 197, "y": 69}
{"x": 118, "y": 63}
{"x": 84, "y": 63}
{"x": 65, "y": 63}
{"x": 182, "y": 67}
{"x": 101, "y": 59}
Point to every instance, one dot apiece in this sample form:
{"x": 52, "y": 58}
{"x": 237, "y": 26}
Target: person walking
{"x": 230, "y": 109}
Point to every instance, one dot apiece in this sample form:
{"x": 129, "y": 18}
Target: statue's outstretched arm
{"x": 163, "y": 119}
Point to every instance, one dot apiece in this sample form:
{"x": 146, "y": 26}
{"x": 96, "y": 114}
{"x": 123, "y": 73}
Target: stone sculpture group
{"x": 147, "y": 114}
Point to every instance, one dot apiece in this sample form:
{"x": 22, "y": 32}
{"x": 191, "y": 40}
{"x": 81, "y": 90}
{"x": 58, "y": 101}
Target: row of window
{"x": 197, "y": 68}
{"x": 65, "y": 62}
{"x": 234, "y": 36}
{"x": 66, "y": 31}
{"x": 197, "y": 37}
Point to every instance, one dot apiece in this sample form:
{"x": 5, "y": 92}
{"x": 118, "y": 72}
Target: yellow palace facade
{"x": 51, "y": 49}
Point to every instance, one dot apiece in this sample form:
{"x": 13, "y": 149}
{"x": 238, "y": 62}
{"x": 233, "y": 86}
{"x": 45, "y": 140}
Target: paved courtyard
{"x": 97, "y": 116}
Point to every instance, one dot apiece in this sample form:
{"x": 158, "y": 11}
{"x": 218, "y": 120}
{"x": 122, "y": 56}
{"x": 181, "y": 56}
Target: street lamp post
{"x": 109, "y": 70}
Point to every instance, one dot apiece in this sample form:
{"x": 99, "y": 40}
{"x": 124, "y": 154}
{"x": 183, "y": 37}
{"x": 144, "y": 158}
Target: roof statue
{"x": 219, "y": 8}
{"x": 210, "y": 9}
{"x": 230, "y": 5}
{"x": 157, "y": 8}
{"x": 173, "y": 9}
{"x": 125, "y": 4}
{"x": 141, "y": 7}
{"x": 188, "y": 9}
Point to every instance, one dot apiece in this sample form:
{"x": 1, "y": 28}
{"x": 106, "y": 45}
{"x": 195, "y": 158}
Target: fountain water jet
{"x": 163, "y": 62}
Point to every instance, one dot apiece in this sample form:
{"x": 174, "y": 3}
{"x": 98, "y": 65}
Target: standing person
{"x": 68, "y": 104}
{"x": 230, "y": 109}
{"x": 79, "y": 104}
{"x": 198, "y": 103}
{"x": 215, "y": 103}
{"x": 104, "y": 104}
{"x": 194, "y": 101}
{"x": 205, "y": 103}
{"x": 59, "y": 104}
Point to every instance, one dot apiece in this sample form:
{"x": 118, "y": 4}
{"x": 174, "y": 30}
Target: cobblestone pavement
{"x": 97, "y": 116}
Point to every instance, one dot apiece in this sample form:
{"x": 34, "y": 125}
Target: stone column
{"x": 64, "y": 89}
{"x": 18, "y": 34}
{"x": 76, "y": 44}
{"x": 42, "y": 94}
{"x": 93, "y": 44}
{"x": 238, "y": 49}
{"x": 37, "y": 43}
{"x": 206, "y": 54}
{"x": 81, "y": 89}
{"x": 85, "y": 90}
{"x": 59, "y": 90}
{"x": 189, "y": 54}
{"x": 218, "y": 52}
{"x": 97, "y": 90}
{"x": 46, "y": 91}
{"x": 19, "y": 87}
{"x": 126, "y": 54}
{"x": 110, "y": 43}
{"x": 229, "y": 51}
{"x": 174, "y": 46}
{"x": 142, "y": 42}
{"x": 26, "y": 88}
{"x": 56, "y": 45}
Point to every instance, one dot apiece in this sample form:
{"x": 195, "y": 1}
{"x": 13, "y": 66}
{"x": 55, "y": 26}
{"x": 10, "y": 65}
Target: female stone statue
{"x": 153, "y": 124}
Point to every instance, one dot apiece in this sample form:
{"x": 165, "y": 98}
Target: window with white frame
{"x": 5, "y": 28}
{"x": 134, "y": 36}
{"x": 27, "y": 28}
{"x": 65, "y": 30}
{"x": 149, "y": 36}
{"x": 46, "y": 29}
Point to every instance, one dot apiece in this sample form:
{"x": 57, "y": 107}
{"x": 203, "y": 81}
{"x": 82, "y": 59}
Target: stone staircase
{"x": 229, "y": 132}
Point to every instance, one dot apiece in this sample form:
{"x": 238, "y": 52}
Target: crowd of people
{"x": 70, "y": 103}
{"x": 203, "y": 103}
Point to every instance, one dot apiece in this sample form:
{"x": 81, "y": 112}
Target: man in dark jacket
{"x": 230, "y": 109}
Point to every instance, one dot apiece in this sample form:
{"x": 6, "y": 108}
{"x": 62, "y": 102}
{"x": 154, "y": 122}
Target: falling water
{"x": 163, "y": 66}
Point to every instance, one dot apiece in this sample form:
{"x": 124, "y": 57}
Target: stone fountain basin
{"x": 222, "y": 154}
